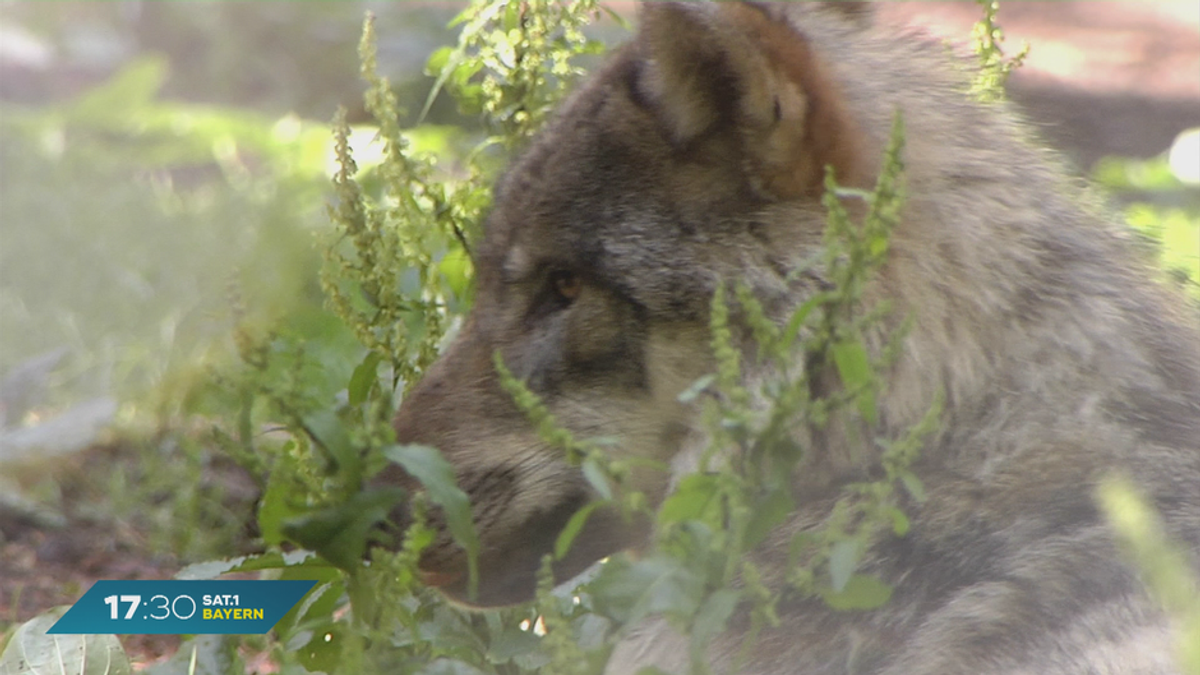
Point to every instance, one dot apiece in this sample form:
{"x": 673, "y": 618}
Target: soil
{"x": 1101, "y": 78}
{"x": 42, "y": 566}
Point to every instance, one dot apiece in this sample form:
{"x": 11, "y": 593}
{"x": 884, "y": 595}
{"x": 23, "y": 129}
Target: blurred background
{"x": 164, "y": 176}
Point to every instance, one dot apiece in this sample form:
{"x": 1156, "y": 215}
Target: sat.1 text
{"x": 220, "y": 600}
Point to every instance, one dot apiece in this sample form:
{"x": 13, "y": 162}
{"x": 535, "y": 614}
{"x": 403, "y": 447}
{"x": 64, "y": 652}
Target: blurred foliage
{"x": 1163, "y": 209}
{"x": 28, "y": 652}
{"x": 126, "y": 217}
{"x": 1158, "y": 204}
{"x": 136, "y": 231}
{"x": 1164, "y": 566}
{"x": 277, "y": 57}
{"x": 994, "y": 65}
{"x": 404, "y": 268}
{"x": 527, "y": 53}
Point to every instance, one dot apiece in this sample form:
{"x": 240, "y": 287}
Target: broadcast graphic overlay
{"x": 181, "y": 607}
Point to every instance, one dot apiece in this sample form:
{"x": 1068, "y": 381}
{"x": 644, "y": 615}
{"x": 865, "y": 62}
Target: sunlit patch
{"x": 366, "y": 146}
{"x": 287, "y": 129}
{"x": 53, "y": 141}
{"x": 1185, "y": 157}
{"x": 370, "y": 150}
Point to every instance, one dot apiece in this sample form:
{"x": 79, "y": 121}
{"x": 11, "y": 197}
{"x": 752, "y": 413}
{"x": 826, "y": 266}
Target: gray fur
{"x": 1060, "y": 357}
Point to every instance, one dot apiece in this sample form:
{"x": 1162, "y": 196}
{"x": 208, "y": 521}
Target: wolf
{"x": 696, "y": 156}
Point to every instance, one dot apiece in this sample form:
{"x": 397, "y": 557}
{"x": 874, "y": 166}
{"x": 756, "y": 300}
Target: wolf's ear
{"x": 732, "y": 69}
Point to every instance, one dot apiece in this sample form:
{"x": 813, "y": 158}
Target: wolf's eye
{"x": 566, "y": 285}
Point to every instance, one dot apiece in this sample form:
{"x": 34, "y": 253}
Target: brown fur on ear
{"x": 720, "y": 68}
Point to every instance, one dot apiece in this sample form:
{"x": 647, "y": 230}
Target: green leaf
{"x": 597, "y": 478}
{"x": 462, "y": 17}
{"x": 364, "y": 377}
{"x": 591, "y": 630}
{"x": 511, "y": 642}
{"x": 512, "y": 16}
{"x": 276, "y": 505}
{"x": 572, "y": 529}
{"x": 628, "y": 592}
{"x": 318, "y": 606}
{"x": 135, "y": 86}
{"x": 322, "y": 653}
{"x": 914, "y": 486}
{"x": 696, "y": 498}
{"x": 867, "y": 407}
{"x": 800, "y": 542}
{"x": 455, "y": 268}
{"x": 878, "y": 246}
{"x": 437, "y": 60}
{"x": 788, "y": 336}
{"x": 767, "y": 514}
{"x": 853, "y": 364}
{"x": 900, "y": 523}
{"x": 854, "y": 368}
{"x": 843, "y": 560}
{"x": 860, "y": 592}
{"x": 339, "y": 533}
{"x": 712, "y": 619}
{"x": 330, "y": 434}
{"x": 31, "y": 651}
{"x": 202, "y": 655}
{"x": 448, "y": 630}
{"x": 432, "y": 470}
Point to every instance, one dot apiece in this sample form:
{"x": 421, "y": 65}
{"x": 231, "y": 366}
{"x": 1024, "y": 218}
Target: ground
{"x": 42, "y": 567}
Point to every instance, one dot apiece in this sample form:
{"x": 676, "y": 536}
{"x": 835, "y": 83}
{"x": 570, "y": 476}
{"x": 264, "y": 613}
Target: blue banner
{"x": 182, "y": 607}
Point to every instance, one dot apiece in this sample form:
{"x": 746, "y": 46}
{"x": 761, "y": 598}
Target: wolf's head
{"x": 697, "y": 153}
